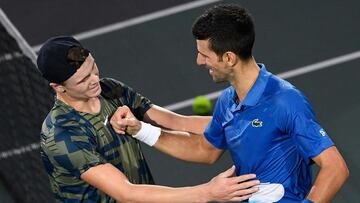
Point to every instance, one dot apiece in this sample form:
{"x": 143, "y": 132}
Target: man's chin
{"x": 96, "y": 94}
{"x": 218, "y": 80}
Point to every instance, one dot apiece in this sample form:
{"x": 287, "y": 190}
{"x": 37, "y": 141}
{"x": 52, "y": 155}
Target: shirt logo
{"x": 322, "y": 132}
{"x": 106, "y": 120}
{"x": 256, "y": 123}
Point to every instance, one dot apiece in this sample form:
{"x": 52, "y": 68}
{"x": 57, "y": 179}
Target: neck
{"x": 244, "y": 77}
{"x": 88, "y": 105}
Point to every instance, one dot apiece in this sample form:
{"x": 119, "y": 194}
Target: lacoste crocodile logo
{"x": 256, "y": 123}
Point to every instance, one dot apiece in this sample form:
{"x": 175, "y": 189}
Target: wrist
{"x": 205, "y": 193}
{"x": 148, "y": 134}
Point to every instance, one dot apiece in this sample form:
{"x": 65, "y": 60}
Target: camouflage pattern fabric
{"x": 72, "y": 142}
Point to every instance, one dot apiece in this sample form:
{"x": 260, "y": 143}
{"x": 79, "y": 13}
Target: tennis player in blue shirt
{"x": 267, "y": 124}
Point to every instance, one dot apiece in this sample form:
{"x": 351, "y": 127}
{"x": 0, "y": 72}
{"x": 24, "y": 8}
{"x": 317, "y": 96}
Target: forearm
{"x": 192, "y": 124}
{"x": 187, "y": 146}
{"x": 170, "y": 120}
{"x": 113, "y": 182}
{"x": 327, "y": 184}
{"x": 196, "y": 124}
{"x": 223, "y": 187}
{"x": 179, "y": 144}
{"x": 332, "y": 175}
{"x": 158, "y": 194}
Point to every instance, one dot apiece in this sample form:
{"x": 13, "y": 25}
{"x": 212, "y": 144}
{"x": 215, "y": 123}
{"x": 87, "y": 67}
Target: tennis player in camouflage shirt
{"x": 86, "y": 160}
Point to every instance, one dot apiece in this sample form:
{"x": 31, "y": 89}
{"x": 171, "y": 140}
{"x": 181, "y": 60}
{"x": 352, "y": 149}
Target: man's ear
{"x": 57, "y": 87}
{"x": 230, "y": 58}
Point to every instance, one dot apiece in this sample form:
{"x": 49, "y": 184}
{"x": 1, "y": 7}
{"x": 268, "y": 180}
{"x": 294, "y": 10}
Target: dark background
{"x": 157, "y": 58}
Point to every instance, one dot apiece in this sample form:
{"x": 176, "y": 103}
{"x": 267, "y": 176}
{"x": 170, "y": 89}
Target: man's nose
{"x": 200, "y": 60}
{"x": 94, "y": 78}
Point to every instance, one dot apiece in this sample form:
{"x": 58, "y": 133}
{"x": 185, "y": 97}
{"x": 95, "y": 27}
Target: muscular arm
{"x": 191, "y": 146}
{"x": 113, "y": 182}
{"x": 184, "y": 141}
{"x": 188, "y": 147}
{"x": 332, "y": 175}
{"x": 164, "y": 118}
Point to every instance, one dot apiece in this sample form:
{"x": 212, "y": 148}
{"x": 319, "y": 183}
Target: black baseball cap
{"x": 60, "y": 57}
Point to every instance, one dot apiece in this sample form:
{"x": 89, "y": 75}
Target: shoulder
{"x": 61, "y": 140}
{"x": 285, "y": 98}
{"x": 111, "y": 82}
{"x": 111, "y": 88}
{"x": 62, "y": 118}
{"x": 110, "y": 85}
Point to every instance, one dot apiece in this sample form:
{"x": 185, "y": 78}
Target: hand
{"x": 226, "y": 187}
{"x": 123, "y": 121}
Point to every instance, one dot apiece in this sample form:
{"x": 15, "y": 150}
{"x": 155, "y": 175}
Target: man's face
{"x": 209, "y": 59}
{"x": 84, "y": 83}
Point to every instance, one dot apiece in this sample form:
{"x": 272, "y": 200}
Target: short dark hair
{"x": 228, "y": 27}
{"x": 77, "y": 55}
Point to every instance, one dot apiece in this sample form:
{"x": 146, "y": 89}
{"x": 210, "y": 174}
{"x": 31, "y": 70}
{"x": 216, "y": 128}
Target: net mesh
{"x": 25, "y": 100}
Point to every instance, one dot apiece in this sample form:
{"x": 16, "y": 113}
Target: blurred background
{"x": 148, "y": 45}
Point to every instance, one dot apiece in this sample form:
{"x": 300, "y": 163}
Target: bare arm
{"x": 332, "y": 175}
{"x": 181, "y": 145}
{"x": 113, "y": 182}
{"x": 188, "y": 147}
{"x": 191, "y": 146}
{"x": 164, "y": 118}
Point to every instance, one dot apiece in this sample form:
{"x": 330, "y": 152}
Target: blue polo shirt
{"x": 273, "y": 133}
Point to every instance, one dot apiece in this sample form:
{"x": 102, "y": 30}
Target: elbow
{"x": 207, "y": 161}
{"x": 121, "y": 197}
{"x": 346, "y": 173}
{"x": 125, "y": 194}
{"x": 341, "y": 171}
{"x": 211, "y": 157}
{"x": 212, "y": 160}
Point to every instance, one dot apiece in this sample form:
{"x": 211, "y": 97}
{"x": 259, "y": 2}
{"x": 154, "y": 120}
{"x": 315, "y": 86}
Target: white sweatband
{"x": 148, "y": 134}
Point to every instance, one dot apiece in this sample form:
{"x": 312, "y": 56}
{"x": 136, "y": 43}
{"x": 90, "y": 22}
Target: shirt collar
{"x": 254, "y": 95}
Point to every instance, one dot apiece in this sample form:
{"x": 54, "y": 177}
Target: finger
{"x": 121, "y": 124}
{"x": 247, "y": 184}
{"x": 126, "y": 112}
{"x": 121, "y": 112}
{"x": 126, "y": 122}
{"x": 133, "y": 122}
{"x": 228, "y": 173}
{"x": 118, "y": 129}
{"x": 243, "y": 178}
{"x": 253, "y": 185}
{"x": 117, "y": 124}
{"x": 116, "y": 120}
{"x": 241, "y": 198}
{"x": 241, "y": 191}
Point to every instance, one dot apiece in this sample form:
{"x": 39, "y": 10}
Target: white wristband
{"x": 148, "y": 134}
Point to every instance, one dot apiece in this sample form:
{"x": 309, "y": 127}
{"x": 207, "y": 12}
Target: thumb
{"x": 228, "y": 173}
{"x": 126, "y": 112}
{"x": 132, "y": 122}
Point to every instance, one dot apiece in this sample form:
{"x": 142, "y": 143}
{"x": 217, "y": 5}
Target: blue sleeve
{"x": 309, "y": 137}
{"x": 214, "y": 132}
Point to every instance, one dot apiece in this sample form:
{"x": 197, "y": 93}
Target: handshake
{"x": 123, "y": 122}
